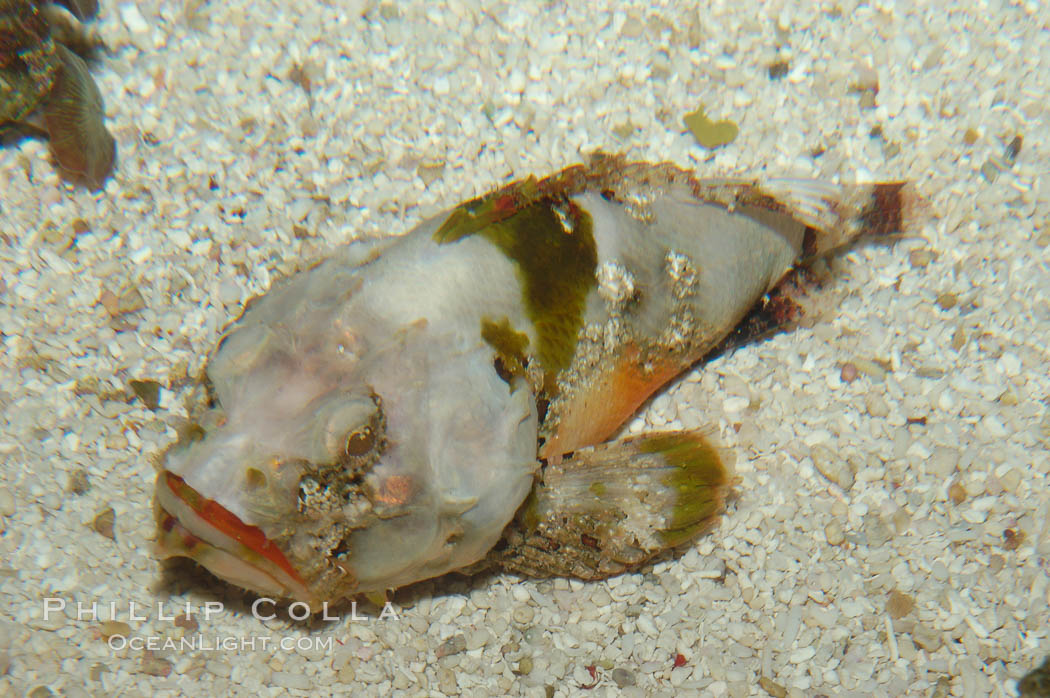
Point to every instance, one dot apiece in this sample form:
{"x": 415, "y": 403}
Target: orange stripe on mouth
{"x": 229, "y": 525}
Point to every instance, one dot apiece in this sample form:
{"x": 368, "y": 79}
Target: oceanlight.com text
{"x": 228, "y": 643}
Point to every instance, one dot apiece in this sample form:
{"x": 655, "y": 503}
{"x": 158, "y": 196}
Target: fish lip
{"x": 247, "y": 558}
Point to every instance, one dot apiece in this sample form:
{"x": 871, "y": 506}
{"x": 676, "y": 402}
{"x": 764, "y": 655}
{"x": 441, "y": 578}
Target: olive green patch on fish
{"x": 254, "y": 478}
{"x": 477, "y": 214}
{"x": 509, "y": 344}
{"x": 699, "y": 478}
{"x": 528, "y": 513}
{"x": 552, "y": 243}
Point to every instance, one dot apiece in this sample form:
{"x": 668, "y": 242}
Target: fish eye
{"x": 360, "y": 442}
{"x": 354, "y": 431}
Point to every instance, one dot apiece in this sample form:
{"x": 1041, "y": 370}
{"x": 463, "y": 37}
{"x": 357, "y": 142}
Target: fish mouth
{"x": 190, "y": 525}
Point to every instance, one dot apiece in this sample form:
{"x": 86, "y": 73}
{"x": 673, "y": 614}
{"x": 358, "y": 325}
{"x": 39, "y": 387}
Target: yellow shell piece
{"x": 710, "y": 134}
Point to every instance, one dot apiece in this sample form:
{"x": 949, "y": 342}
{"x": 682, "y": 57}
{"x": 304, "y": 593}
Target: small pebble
{"x": 148, "y": 391}
{"x": 129, "y": 300}
{"x": 865, "y": 78}
{"x": 877, "y": 370}
{"x": 632, "y": 27}
{"x": 876, "y": 530}
{"x": 834, "y": 467}
{"x": 1012, "y": 539}
{"x": 88, "y": 385}
{"x": 921, "y": 258}
{"x": 1043, "y": 237}
{"x": 59, "y": 238}
{"x": 229, "y": 292}
{"x": 876, "y": 406}
{"x": 153, "y": 665}
{"x": 778, "y": 69}
{"x": 1011, "y": 480}
{"x": 111, "y": 628}
{"x": 103, "y": 523}
{"x": 622, "y": 677}
{"x": 772, "y": 687}
{"x": 218, "y": 668}
{"x": 133, "y": 19}
{"x": 646, "y": 625}
{"x": 78, "y": 482}
{"x": 286, "y": 679}
{"x": 7, "y": 501}
{"x": 1010, "y": 364}
{"x": 802, "y": 655}
{"x": 477, "y": 639}
{"x": 926, "y": 638}
{"x": 990, "y": 170}
{"x": 849, "y": 372}
{"x": 899, "y": 604}
{"x": 1013, "y": 149}
{"x": 834, "y": 534}
{"x": 901, "y": 521}
{"x": 451, "y": 646}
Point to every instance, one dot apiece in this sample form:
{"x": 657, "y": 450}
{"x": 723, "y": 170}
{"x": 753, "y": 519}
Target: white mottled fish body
{"x": 380, "y": 418}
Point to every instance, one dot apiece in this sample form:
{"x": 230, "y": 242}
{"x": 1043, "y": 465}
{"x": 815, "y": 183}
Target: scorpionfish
{"x": 451, "y": 398}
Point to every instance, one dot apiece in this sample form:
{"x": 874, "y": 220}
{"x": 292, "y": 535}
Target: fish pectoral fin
{"x": 609, "y": 508}
{"x": 599, "y": 408}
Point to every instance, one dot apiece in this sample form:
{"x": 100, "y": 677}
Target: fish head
{"x": 344, "y": 453}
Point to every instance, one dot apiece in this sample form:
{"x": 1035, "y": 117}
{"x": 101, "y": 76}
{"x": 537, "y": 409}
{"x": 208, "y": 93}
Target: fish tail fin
{"x": 835, "y": 215}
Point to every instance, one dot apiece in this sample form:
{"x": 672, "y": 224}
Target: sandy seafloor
{"x": 924, "y": 480}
